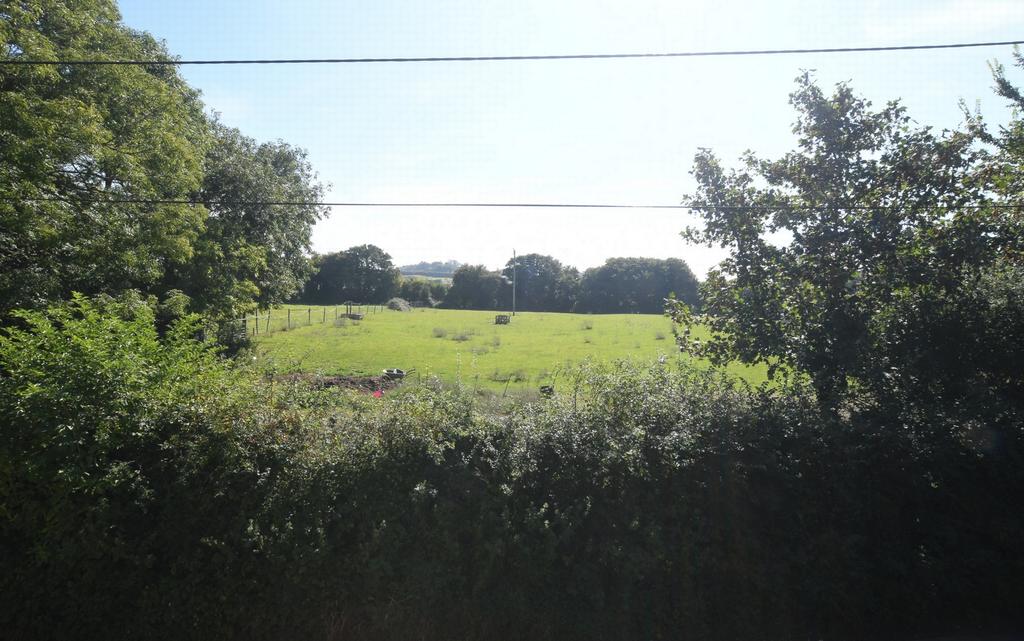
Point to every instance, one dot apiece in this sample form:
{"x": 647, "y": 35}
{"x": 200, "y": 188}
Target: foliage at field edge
{"x": 620, "y": 285}
{"x": 904, "y": 276}
{"x": 151, "y": 489}
{"x": 100, "y": 163}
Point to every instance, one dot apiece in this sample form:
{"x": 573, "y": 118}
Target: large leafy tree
{"x": 543, "y": 283}
{"x": 255, "y": 244}
{"x": 80, "y": 136}
{"x": 79, "y": 140}
{"x": 362, "y": 274}
{"x": 892, "y": 270}
{"x": 476, "y": 287}
{"x": 636, "y": 285}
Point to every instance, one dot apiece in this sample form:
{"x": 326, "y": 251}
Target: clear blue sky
{"x": 620, "y": 131}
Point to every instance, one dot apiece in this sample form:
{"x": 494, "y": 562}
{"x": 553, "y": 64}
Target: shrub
{"x": 399, "y": 305}
{"x": 440, "y": 332}
{"x": 463, "y": 335}
{"x": 132, "y": 460}
{"x": 152, "y": 490}
{"x": 587, "y": 325}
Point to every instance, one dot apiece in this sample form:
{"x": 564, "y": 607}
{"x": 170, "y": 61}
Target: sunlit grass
{"x": 466, "y": 346}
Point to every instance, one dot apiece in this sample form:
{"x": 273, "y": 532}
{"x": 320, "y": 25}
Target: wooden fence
{"x": 277, "y": 320}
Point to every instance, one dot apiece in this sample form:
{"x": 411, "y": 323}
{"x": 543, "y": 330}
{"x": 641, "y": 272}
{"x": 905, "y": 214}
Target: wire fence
{"x": 279, "y": 320}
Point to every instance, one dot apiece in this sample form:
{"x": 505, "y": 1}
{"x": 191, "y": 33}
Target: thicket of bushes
{"x": 149, "y": 489}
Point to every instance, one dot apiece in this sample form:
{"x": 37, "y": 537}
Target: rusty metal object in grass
{"x": 397, "y": 374}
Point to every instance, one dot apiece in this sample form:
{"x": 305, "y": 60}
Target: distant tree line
{"x": 365, "y": 274}
{"x": 436, "y": 269}
{"x": 621, "y": 285}
{"x": 543, "y": 284}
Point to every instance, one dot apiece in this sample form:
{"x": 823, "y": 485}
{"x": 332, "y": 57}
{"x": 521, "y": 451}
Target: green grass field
{"x": 467, "y": 346}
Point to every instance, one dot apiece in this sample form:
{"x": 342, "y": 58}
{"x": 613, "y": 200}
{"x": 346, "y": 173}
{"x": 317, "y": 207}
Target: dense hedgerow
{"x": 150, "y": 489}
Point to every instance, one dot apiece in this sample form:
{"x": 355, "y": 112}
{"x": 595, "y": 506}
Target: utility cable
{"x": 510, "y": 205}
{"x": 569, "y": 56}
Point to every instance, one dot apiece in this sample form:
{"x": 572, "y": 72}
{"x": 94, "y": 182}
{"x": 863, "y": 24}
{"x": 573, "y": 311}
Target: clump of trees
{"x": 476, "y": 287}
{"x": 621, "y": 285}
{"x": 363, "y": 274}
{"x": 543, "y": 284}
{"x": 423, "y": 291}
{"x": 97, "y": 160}
{"x": 902, "y": 278}
{"x": 625, "y": 285}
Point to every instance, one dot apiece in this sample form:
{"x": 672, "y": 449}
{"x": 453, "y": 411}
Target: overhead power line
{"x": 566, "y": 56}
{"x": 306, "y": 203}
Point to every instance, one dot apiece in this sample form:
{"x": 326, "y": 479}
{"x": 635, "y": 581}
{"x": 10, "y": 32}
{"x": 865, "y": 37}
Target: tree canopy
{"x": 636, "y": 285}
{"x": 898, "y": 270}
{"x": 251, "y": 253}
{"x": 80, "y": 140}
{"x": 476, "y": 287}
{"x": 543, "y": 283}
{"x": 82, "y": 135}
{"x": 362, "y": 274}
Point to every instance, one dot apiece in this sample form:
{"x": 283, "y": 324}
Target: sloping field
{"x": 534, "y": 349}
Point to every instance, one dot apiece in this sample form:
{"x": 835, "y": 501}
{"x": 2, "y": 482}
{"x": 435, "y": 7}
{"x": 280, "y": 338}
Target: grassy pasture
{"x": 466, "y": 346}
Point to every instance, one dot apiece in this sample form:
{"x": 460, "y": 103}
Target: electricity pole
{"x": 513, "y": 281}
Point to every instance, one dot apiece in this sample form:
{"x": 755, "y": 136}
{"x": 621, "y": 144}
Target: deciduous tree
{"x": 893, "y": 267}
{"x": 636, "y": 285}
{"x": 77, "y": 139}
{"x": 251, "y": 253}
{"x": 543, "y": 284}
{"x": 362, "y": 274}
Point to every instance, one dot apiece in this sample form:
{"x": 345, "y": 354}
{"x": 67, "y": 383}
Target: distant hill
{"x": 436, "y": 269}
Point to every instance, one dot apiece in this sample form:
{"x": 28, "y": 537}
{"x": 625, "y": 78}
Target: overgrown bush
{"x": 399, "y": 305}
{"x": 149, "y": 489}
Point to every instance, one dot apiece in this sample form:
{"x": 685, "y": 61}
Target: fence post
{"x": 309, "y": 315}
{"x": 256, "y": 324}
{"x": 324, "y": 319}
{"x": 289, "y": 318}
